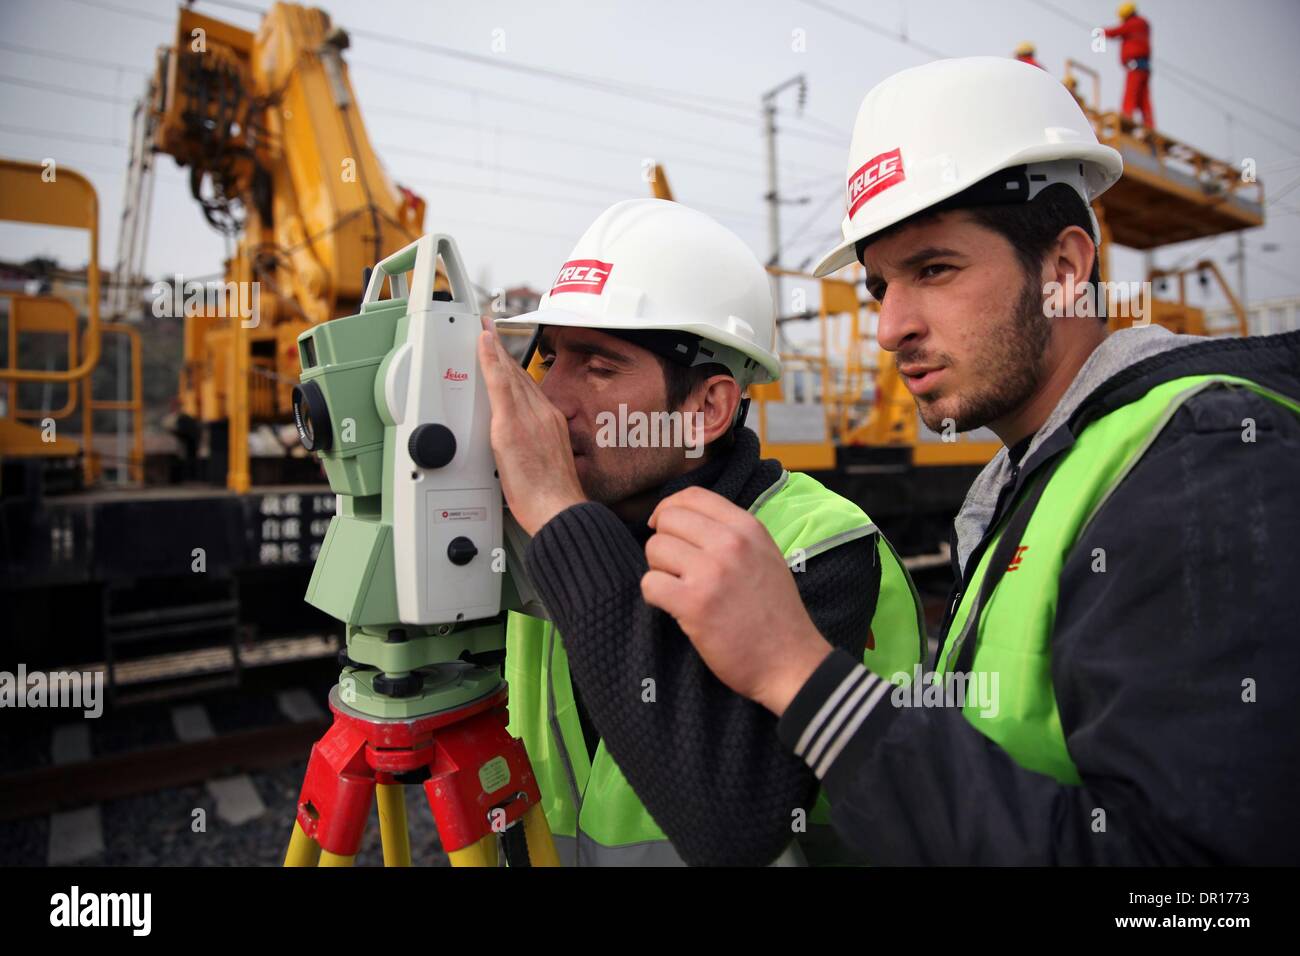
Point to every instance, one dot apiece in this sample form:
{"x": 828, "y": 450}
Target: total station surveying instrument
{"x": 415, "y": 563}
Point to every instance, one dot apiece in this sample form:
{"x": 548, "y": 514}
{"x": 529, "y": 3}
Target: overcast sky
{"x": 516, "y": 164}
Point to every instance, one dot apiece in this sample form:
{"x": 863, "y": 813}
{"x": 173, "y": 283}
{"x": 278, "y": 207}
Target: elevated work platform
{"x": 1170, "y": 192}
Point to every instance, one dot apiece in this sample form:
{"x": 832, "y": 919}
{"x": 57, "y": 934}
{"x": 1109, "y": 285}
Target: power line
{"x": 652, "y": 95}
{"x": 89, "y": 95}
{"x": 532, "y": 174}
{"x": 907, "y": 41}
{"x": 551, "y": 108}
{"x": 655, "y": 95}
{"x": 72, "y": 58}
{"x": 544, "y": 137}
{"x": 1161, "y": 61}
{"x": 62, "y": 134}
{"x": 1177, "y": 70}
{"x": 526, "y": 174}
{"x": 814, "y": 217}
{"x": 583, "y": 79}
{"x": 505, "y": 193}
{"x": 532, "y": 104}
{"x": 729, "y": 110}
{"x": 388, "y": 147}
{"x": 1281, "y": 193}
{"x": 66, "y": 90}
{"x": 125, "y": 11}
{"x": 104, "y": 64}
{"x": 877, "y": 29}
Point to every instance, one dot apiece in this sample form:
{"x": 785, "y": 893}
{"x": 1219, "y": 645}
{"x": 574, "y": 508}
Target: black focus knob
{"x": 461, "y": 550}
{"x": 431, "y": 446}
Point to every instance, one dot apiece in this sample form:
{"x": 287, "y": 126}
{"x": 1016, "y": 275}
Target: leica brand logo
{"x": 455, "y": 376}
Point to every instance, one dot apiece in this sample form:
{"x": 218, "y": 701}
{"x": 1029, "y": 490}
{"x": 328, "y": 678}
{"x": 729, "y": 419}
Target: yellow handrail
{"x": 54, "y": 196}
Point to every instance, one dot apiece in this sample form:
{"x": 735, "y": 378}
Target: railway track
{"x": 68, "y": 784}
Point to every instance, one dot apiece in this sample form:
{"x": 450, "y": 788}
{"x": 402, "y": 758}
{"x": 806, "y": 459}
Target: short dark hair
{"x": 1031, "y": 227}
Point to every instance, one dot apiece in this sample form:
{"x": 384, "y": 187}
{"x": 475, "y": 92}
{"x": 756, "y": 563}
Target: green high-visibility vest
{"x": 1013, "y": 629}
{"x": 595, "y": 816}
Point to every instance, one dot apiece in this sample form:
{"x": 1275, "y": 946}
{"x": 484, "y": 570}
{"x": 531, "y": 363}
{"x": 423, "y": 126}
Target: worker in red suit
{"x": 1025, "y": 54}
{"x": 1135, "y": 54}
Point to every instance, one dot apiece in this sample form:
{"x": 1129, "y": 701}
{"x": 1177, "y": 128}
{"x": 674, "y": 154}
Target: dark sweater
{"x": 705, "y": 762}
{"x": 1174, "y": 672}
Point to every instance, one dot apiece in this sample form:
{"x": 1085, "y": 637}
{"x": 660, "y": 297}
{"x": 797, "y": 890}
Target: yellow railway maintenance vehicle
{"x": 267, "y": 125}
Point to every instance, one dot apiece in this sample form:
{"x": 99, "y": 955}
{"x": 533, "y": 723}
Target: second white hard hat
{"x": 928, "y": 133}
{"x": 653, "y": 265}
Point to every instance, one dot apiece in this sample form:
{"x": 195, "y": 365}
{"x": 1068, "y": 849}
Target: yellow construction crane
{"x": 278, "y": 155}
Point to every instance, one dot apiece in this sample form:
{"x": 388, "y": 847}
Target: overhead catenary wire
{"x": 537, "y": 135}
{"x": 63, "y": 57}
{"x": 608, "y": 189}
{"x": 728, "y": 110}
{"x": 126, "y": 11}
{"x": 602, "y": 85}
{"x": 66, "y": 90}
{"x": 62, "y": 134}
{"x": 365, "y": 67}
{"x": 813, "y": 218}
{"x": 103, "y": 64}
{"x": 899, "y": 36}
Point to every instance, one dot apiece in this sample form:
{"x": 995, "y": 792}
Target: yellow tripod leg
{"x": 333, "y": 859}
{"x": 394, "y": 835}
{"x": 303, "y": 850}
{"x": 537, "y": 832}
{"x": 482, "y": 853}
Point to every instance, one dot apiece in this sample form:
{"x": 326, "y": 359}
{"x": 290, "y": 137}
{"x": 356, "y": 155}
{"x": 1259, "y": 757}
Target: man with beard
{"x": 652, "y": 331}
{"x": 1113, "y": 681}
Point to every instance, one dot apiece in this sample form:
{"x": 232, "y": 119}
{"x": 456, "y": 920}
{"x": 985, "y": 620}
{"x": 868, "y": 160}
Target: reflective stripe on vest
{"x": 805, "y": 519}
{"x": 1012, "y": 649}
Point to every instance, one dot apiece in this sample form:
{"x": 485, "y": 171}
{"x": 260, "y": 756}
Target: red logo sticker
{"x": 455, "y": 376}
{"x": 582, "y": 275}
{"x": 876, "y": 174}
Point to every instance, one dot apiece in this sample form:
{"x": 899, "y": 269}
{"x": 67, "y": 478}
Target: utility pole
{"x": 773, "y": 195}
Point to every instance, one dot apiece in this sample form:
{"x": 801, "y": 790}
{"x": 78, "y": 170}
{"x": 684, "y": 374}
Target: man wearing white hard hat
{"x": 642, "y": 756}
{"x": 1114, "y": 680}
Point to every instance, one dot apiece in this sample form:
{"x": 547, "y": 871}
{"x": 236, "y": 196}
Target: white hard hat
{"x": 649, "y": 265}
{"x": 928, "y": 133}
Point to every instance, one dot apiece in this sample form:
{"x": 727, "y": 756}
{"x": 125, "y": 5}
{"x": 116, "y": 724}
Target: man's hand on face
{"x": 530, "y": 439}
{"x": 715, "y": 568}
